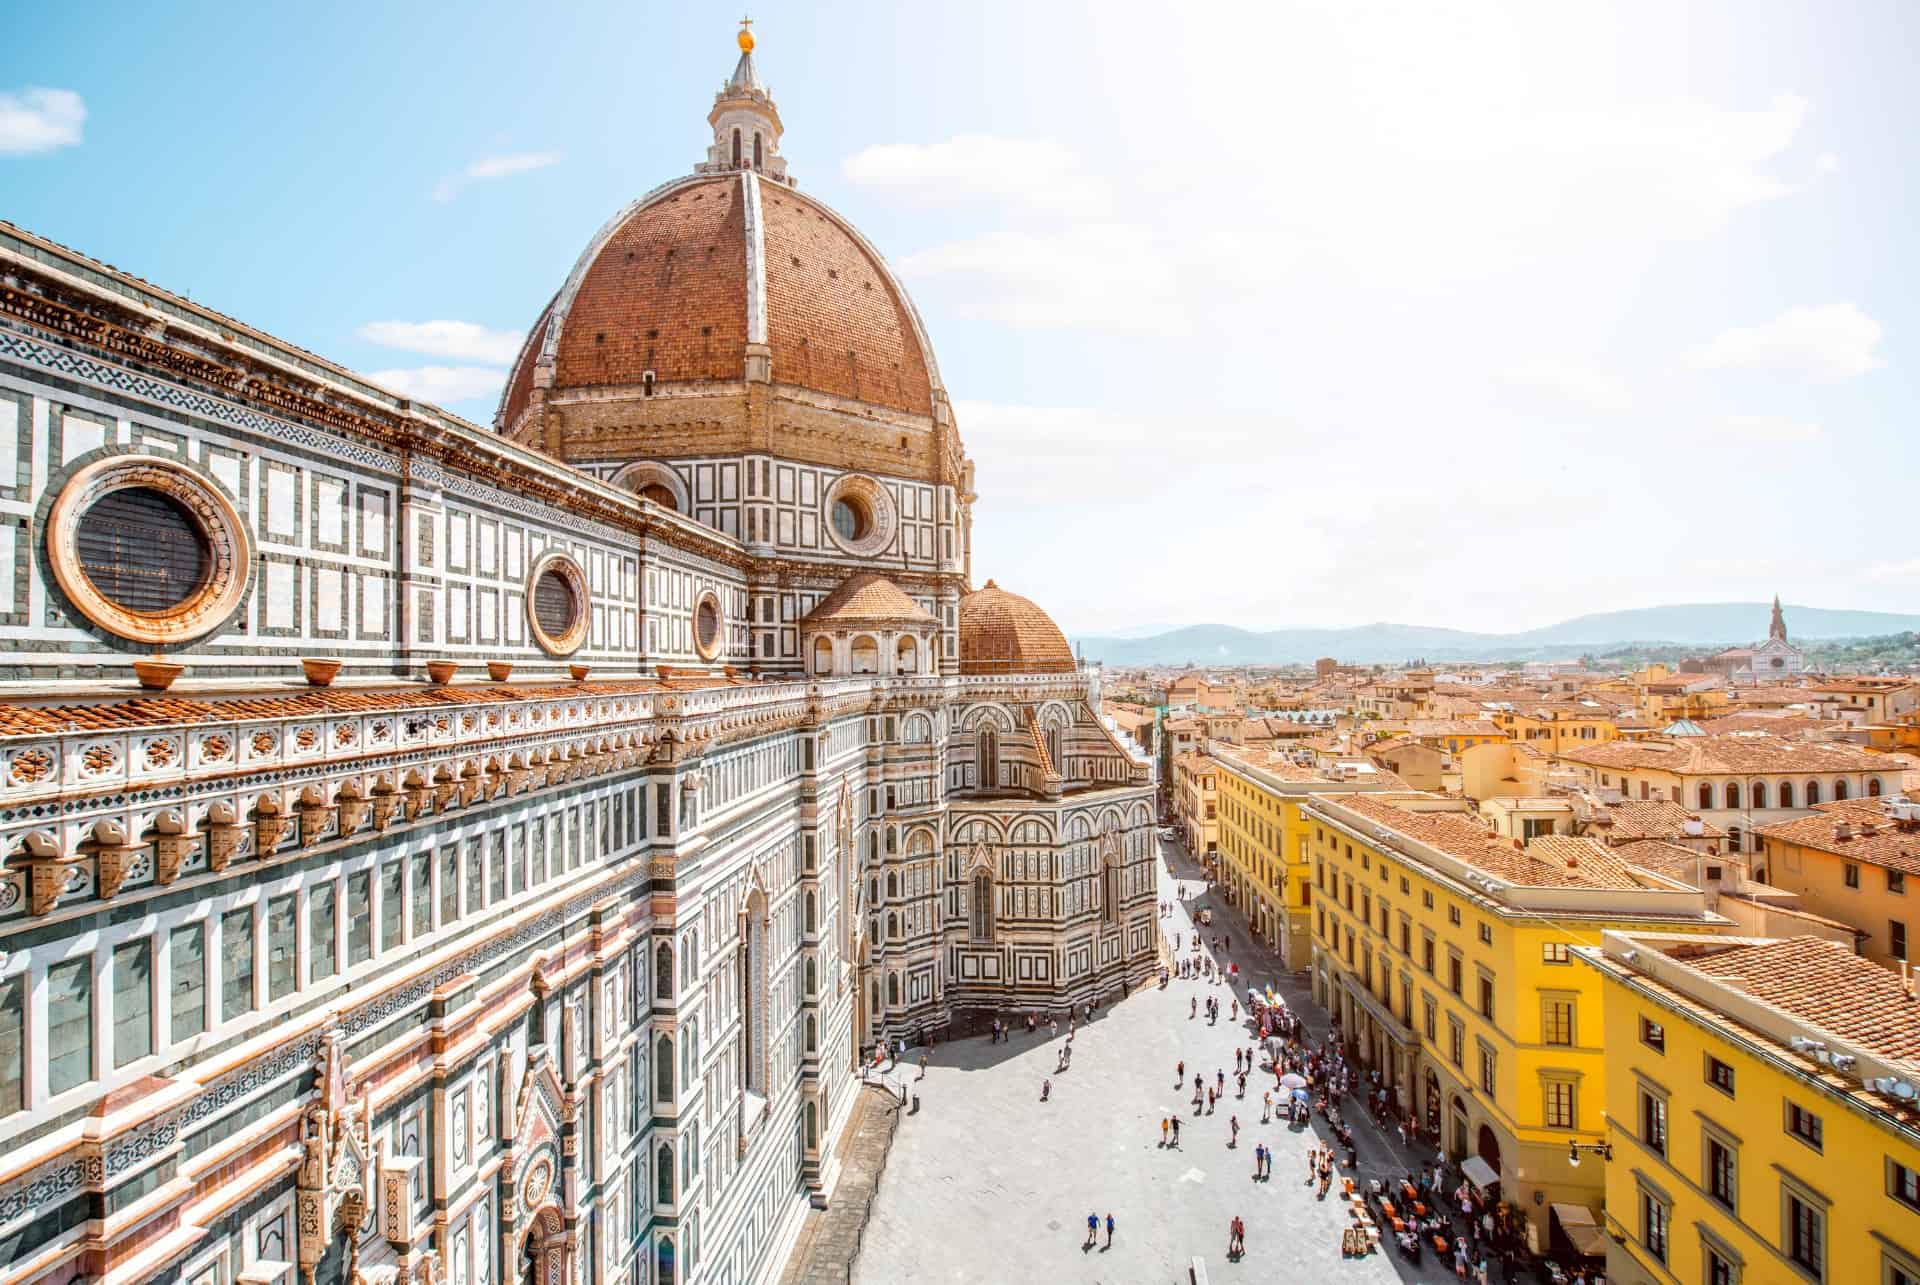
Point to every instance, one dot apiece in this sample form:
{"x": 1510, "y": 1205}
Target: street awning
{"x": 1479, "y": 1173}
{"x": 1576, "y": 1222}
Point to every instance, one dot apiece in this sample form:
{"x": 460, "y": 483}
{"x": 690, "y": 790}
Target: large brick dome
{"x": 682, "y": 282}
{"x": 1003, "y": 633}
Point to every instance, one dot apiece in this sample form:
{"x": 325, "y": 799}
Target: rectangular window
{"x": 1653, "y": 1035}
{"x": 1486, "y": 934}
{"x": 1554, "y": 952}
{"x": 1453, "y": 915}
{"x": 187, "y": 987}
{"x": 1454, "y": 974}
{"x": 69, "y": 1024}
{"x": 477, "y": 878}
{"x": 132, "y": 1001}
{"x": 322, "y": 957}
{"x": 1804, "y": 1125}
{"x": 1719, "y": 1270}
{"x": 1719, "y": 1075}
{"x": 1559, "y": 1100}
{"x": 420, "y": 870}
{"x": 1557, "y": 1022}
{"x": 359, "y": 918}
{"x": 283, "y": 959}
{"x": 236, "y": 963}
{"x": 1457, "y": 1042}
{"x": 13, "y": 1045}
{"x": 390, "y": 905}
{"x": 1903, "y": 1184}
{"x": 1897, "y": 939}
{"x": 1486, "y": 998}
{"x": 1653, "y": 1225}
{"x": 1897, "y": 881}
{"x": 497, "y": 883}
{"x": 1850, "y": 873}
{"x": 1486, "y": 1070}
{"x": 1432, "y": 1011}
{"x": 1721, "y": 1171}
{"x": 449, "y": 887}
{"x": 1426, "y": 952}
{"x": 1653, "y": 1121}
{"x": 1806, "y": 1233}
{"x": 1426, "y": 898}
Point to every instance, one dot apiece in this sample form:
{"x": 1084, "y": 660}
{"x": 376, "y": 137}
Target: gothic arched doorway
{"x": 543, "y": 1250}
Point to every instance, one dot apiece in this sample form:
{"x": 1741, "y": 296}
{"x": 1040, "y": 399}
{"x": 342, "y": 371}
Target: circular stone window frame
{"x": 711, "y": 653}
{"x": 569, "y": 569}
{"x": 229, "y": 546}
{"x": 883, "y": 518}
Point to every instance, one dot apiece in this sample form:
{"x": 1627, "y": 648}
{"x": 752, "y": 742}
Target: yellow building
{"x": 1195, "y": 802}
{"x": 1760, "y": 1111}
{"x": 1451, "y": 735}
{"x": 1263, "y": 838}
{"x": 1444, "y": 954}
{"x": 1857, "y": 862}
{"x": 1557, "y": 725}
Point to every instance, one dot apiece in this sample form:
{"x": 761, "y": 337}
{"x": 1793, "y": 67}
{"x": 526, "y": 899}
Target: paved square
{"x": 989, "y": 1183}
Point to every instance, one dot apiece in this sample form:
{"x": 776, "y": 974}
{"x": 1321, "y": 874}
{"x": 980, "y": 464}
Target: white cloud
{"x": 1579, "y": 386}
{"x": 443, "y": 383}
{"x": 492, "y": 167}
{"x": 1035, "y": 174}
{"x": 460, "y": 340}
{"x": 1768, "y": 428}
{"x": 1109, "y": 276}
{"x": 1826, "y": 163}
{"x": 1833, "y": 341}
{"x": 40, "y": 120}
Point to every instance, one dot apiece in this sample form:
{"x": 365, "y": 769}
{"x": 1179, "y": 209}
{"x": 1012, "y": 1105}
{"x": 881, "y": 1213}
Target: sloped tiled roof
{"x": 1727, "y": 755}
{"x": 867, "y": 598}
{"x": 1872, "y": 837}
{"x": 1824, "y": 983}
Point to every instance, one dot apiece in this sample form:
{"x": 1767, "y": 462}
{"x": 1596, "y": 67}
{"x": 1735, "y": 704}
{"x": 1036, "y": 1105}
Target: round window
{"x": 850, "y": 520}
{"x": 147, "y": 549}
{"x": 142, "y": 550}
{"x": 557, "y": 604}
{"x": 707, "y": 626}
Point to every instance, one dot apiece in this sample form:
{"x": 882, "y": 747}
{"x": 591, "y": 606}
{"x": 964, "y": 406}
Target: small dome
{"x": 869, "y": 599}
{"x": 1003, "y": 633}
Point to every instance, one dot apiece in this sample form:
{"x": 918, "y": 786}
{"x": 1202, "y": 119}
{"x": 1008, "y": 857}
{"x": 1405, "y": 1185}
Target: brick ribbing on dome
{"x": 520, "y": 385}
{"x": 668, "y": 293}
{"x": 869, "y": 597}
{"x": 1003, "y": 633}
{"x": 833, "y": 321}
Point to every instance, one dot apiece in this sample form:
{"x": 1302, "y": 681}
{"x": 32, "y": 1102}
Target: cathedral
{"x": 439, "y": 852}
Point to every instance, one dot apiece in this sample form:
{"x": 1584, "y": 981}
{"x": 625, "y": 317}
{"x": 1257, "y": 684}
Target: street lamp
{"x": 1602, "y": 1149}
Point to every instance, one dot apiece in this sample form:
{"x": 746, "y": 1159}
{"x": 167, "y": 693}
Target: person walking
{"x": 1233, "y": 1123}
{"x": 1093, "y": 1230}
{"x": 1176, "y": 1131}
{"x": 1109, "y": 1231}
{"x": 1163, "y": 1131}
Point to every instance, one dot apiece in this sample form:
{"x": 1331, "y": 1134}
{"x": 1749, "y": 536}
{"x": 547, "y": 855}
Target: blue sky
{"x": 1463, "y": 315}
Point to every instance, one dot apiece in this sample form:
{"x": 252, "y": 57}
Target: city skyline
{"x": 1165, "y": 267}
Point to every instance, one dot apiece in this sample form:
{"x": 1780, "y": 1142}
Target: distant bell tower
{"x": 746, "y": 124}
{"x": 1777, "y": 628}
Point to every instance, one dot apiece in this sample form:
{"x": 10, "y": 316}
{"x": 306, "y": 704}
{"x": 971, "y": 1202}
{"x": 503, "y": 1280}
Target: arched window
{"x": 906, "y": 657}
{"x": 813, "y": 1043}
{"x": 690, "y": 1052}
{"x": 822, "y": 656}
{"x": 893, "y": 885}
{"x": 1759, "y": 794}
{"x": 1706, "y": 794}
{"x": 753, "y": 990}
{"x": 1733, "y": 794}
{"x": 1733, "y": 839}
{"x": 1840, "y": 790}
{"x": 982, "y": 907}
{"x": 893, "y": 988}
{"x": 893, "y": 926}
{"x": 1873, "y": 787}
{"x": 1110, "y": 890}
{"x": 736, "y": 149}
{"x": 663, "y": 972}
{"x": 1053, "y": 750}
{"x": 1786, "y": 794}
{"x": 664, "y": 1163}
{"x": 663, "y": 1069}
{"x": 866, "y": 655}
{"x": 813, "y": 1125}
{"x": 757, "y": 154}
{"x": 812, "y": 914}
{"x": 987, "y": 755}
{"x": 813, "y": 977}
{"x": 1813, "y": 793}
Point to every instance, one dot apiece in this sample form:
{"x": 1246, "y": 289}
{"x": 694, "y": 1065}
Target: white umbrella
{"x": 1292, "y": 1080}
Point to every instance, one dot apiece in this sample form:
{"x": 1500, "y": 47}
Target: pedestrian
{"x": 1110, "y": 1235}
{"x": 1093, "y": 1229}
{"x": 1193, "y": 1007}
{"x": 1233, "y": 1122}
{"x": 1180, "y": 1071}
{"x": 1163, "y": 1131}
{"x": 1266, "y": 1106}
{"x": 1176, "y": 1131}
{"x": 1220, "y": 1079}
{"x": 923, "y": 1066}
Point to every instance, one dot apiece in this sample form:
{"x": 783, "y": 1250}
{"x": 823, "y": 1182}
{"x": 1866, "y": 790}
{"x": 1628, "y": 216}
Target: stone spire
{"x": 1777, "y": 627}
{"x": 746, "y": 125}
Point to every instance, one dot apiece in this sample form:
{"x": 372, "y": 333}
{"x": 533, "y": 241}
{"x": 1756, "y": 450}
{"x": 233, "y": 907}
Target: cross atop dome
{"x": 746, "y": 124}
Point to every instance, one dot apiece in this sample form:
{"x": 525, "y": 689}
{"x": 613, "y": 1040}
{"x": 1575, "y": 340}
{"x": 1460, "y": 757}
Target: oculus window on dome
{"x": 557, "y": 604}
{"x": 860, "y": 515}
{"x": 148, "y": 550}
{"x": 709, "y": 626}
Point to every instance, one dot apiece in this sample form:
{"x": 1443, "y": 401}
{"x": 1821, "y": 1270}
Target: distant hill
{"x": 1711, "y": 624}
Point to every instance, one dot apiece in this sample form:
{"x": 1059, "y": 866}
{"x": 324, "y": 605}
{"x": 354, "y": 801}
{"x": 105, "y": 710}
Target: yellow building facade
{"x": 1445, "y": 956}
{"x": 1195, "y": 801}
{"x": 1760, "y": 1111}
{"x": 1265, "y": 863}
{"x": 1857, "y": 862}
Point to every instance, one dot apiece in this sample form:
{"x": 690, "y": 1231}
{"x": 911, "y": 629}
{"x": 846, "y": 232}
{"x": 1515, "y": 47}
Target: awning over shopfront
{"x": 1479, "y": 1173}
{"x": 1577, "y": 1225}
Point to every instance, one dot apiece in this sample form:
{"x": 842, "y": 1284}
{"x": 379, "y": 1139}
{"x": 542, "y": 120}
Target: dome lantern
{"x": 746, "y": 124}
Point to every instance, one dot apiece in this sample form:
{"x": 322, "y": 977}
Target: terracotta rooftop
{"x": 868, "y": 597}
{"x": 1870, "y": 835}
{"x": 1727, "y": 755}
{"x": 1649, "y": 819}
{"x": 1003, "y": 633}
{"x": 1821, "y": 982}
